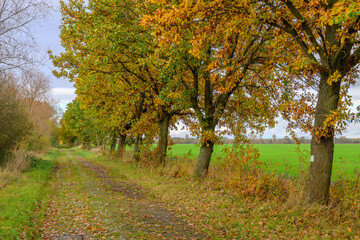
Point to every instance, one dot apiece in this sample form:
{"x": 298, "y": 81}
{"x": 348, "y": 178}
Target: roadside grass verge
{"x": 20, "y": 198}
{"x": 237, "y": 201}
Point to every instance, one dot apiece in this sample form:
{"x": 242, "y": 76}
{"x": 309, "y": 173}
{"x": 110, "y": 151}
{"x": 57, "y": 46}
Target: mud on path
{"x": 87, "y": 202}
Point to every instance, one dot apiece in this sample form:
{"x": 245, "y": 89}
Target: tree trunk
{"x": 136, "y": 155}
{"x": 121, "y": 147}
{"x": 98, "y": 142}
{"x": 203, "y": 161}
{"x": 322, "y": 149}
{"x": 113, "y": 143}
{"x": 104, "y": 144}
{"x": 163, "y": 138}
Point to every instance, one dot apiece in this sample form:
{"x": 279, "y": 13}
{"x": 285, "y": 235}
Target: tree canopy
{"x": 223, "y": 67}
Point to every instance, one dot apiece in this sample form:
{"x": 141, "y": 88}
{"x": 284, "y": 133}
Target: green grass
{"x": 286, "y": 159}
{"x": 19, "y": 200}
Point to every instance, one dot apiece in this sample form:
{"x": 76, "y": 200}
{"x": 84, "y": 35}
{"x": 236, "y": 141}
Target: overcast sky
{"x": 47, "y": 35}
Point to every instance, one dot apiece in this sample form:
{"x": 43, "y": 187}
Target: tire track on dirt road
{"x": 88, "y": 202}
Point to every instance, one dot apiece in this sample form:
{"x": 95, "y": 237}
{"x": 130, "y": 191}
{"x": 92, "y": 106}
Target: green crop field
{"x": 285, "y": 159}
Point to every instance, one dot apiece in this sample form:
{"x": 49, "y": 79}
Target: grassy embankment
{"x": 20, "y": 197}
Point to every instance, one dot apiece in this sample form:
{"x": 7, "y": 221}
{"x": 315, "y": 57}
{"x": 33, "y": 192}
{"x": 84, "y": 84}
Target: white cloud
{"x": 353, "y": 131}
{"x": 181, "y": 130}
{"x": 63, "y": 96}
{"x": 179, "y": 133}
{"x": 280, "y": 131}
{"x": 64, "y": 92}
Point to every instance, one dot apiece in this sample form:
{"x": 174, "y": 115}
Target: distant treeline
{"x": 274, "y": 140}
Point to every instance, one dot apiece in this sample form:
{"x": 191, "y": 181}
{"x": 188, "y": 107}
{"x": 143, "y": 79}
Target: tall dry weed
{"x": 345, "y": 195}
{"x": 19, "y": 161}
{"x": 241, "y": 171}
{"x": 6, "y": 177}
{"x": 179, "y": 166}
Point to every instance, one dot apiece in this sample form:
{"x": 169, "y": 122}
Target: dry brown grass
{"x": 238, "y": 200}
{"x": 241, "y": 173}
{"x": 16, "y": 165}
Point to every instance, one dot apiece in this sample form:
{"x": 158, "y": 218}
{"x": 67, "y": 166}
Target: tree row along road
{"x": 87, "y": 202}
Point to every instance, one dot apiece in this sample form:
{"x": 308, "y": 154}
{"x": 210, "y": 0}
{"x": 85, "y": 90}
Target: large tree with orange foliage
{"x": 315, "y": 48}
{"x": 324, "y": 36}
{"x": 219, "y": 61}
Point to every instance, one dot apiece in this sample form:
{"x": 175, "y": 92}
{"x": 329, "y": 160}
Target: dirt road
{"x": 87, "y": 202}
